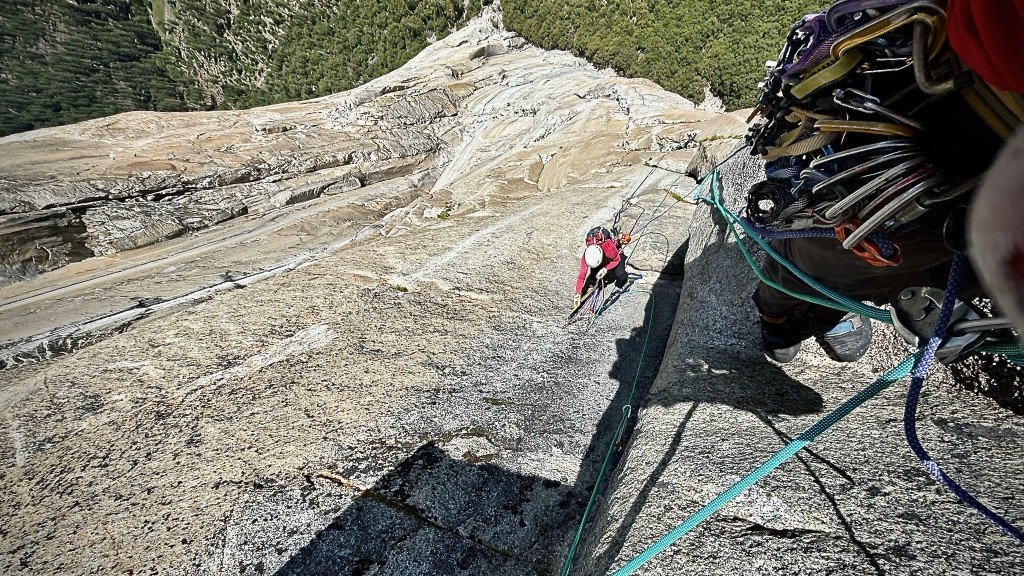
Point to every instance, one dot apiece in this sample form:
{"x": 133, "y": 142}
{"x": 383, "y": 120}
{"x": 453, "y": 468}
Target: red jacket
{"x": 986, "y": 35}
{"x": 612, "y": 255}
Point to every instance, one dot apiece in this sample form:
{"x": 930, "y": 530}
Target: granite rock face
{"x": 330, "y": 337}
{"x": 344, "y": 347}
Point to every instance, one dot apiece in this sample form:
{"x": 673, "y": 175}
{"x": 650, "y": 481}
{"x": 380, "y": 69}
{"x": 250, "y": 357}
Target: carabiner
{"x": 866, "y": 249}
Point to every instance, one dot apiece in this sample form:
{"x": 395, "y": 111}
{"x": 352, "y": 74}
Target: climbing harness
{"x": 839, "y": 124}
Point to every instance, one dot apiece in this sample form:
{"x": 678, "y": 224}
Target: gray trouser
{"x": 926, "y": 261}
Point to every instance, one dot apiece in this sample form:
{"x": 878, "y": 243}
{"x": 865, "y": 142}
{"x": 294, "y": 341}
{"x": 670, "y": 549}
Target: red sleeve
{"x": 985, "y": 34}
{"x": 584, "y": 269}
{"x": 611, "y": 253}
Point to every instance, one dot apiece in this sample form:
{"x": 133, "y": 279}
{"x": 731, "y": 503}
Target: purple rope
{"x": 914, "y": 394}
{"x": 884, "y": 244}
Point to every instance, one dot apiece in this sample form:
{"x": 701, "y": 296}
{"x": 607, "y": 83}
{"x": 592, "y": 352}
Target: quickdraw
{"x": 842, "y": 125}
{"x": 843, "y": 141}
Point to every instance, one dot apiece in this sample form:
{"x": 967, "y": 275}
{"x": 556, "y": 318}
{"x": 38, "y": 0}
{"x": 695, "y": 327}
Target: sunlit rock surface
{"x": 329, "y": 337}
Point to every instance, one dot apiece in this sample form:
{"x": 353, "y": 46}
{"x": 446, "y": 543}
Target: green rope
{"x": 627, "y": 408}
{"x": 835, "y": 300}
{"x": 626, "y": 411}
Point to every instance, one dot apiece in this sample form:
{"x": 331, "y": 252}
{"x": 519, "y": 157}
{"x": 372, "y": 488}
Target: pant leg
{"x": 621, "y": 276}
{"x": 589, "y": 282}
{"x": 925, "y": 263}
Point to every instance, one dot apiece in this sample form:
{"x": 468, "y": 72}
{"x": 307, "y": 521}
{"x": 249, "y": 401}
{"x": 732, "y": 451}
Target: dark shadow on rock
{"x": 607, "y": 557}
{"x": 742, "y": 380}
{"x": 635, "y": 368}
{"x": 995, "y": 377}
{"x": 804, "y": 457}
{"x": 676, "y": 264}
{"x": 434, "y": 514}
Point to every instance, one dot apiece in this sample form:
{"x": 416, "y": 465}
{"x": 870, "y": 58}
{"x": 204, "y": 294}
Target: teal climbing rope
{"x": 627, "y": 409}
{"x": 833, "y": 300}
{"x": 899, "y": 371}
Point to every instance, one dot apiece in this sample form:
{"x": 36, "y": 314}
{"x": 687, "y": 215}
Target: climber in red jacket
{"x": 602, "y": 255}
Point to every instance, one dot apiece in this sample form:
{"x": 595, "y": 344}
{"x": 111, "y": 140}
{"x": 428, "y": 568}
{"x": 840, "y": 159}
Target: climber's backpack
{"x": 597, "y": 235}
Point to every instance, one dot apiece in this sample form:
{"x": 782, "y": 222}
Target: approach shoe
{"x": 848, "y": 340}
{"x": 781, "y": 341}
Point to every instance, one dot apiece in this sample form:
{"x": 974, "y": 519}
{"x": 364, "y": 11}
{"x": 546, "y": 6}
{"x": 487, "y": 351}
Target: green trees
{"x": 681, "y": 45}
{"x": 342, "y": 45}
{"x": 61, "y": 62}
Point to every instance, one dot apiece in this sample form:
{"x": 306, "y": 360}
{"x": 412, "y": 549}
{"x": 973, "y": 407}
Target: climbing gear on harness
{"x": 916, "y": 313}
{"x": 593, "y": 255}
{"x": 601, "y": 273}
{"x": 839, "y": 123}
{"x": 576, "y": 301}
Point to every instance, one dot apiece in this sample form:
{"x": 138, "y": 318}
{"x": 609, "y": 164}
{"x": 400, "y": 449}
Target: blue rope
{"x": 769, "y": 234}
{"x": 805, "y": 438}
{"x": 884, "y": 244}
{"x": 914, "y": 394}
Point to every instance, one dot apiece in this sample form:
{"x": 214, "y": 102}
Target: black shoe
{"x": 848, "y": 340}
{"x": 781, "y": 341}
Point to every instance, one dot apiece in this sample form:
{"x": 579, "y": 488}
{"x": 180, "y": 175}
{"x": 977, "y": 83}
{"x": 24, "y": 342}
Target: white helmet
{"x": 593, "y": 255}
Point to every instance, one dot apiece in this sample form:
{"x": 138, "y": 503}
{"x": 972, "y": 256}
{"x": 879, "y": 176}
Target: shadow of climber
{"x": 434, "y": 514}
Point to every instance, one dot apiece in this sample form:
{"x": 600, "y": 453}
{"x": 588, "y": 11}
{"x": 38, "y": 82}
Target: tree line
{"x": 64, "y": 61}
{"x": 683, "y": 46}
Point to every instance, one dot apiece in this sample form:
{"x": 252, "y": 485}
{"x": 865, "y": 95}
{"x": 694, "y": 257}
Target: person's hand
{"x": 601, "y": 273}
{"x": 576, "y": 301}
